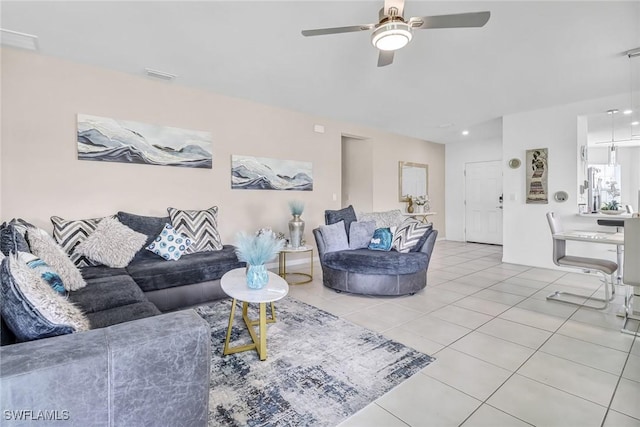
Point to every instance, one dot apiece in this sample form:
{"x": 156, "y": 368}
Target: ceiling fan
{"x": 393, "y": 31}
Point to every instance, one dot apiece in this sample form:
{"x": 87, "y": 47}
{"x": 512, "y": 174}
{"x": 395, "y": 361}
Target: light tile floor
{"x": 505, "y": 355}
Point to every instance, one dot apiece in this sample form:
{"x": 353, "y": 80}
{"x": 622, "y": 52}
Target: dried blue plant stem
{"x": 296, "y": 207}
{"x": 257, "y": 250}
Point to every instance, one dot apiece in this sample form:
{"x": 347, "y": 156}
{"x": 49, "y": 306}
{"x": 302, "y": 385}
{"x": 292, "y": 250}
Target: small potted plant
{"x": 422, "y": 202}
{"x": 611, "y": 208}
{"x": 256, "y": 251}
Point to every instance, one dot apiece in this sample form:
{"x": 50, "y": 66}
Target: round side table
{"x": 282, "y": 265}
{"x": 234, "y": 284}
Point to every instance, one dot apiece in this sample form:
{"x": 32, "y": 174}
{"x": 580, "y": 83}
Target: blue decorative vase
{"x": 257, "y": 276}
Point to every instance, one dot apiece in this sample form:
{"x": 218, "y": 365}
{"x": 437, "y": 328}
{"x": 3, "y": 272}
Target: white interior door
{"x": 483, "y": 202}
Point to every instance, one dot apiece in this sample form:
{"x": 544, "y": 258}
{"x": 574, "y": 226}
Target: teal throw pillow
{"x": 169, "y": 244}
{"x": 381, "y": 240}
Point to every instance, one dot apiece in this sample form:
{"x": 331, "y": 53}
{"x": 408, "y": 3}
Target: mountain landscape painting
{"x": 261, "y": 173}
{"x": 109, "y": 140}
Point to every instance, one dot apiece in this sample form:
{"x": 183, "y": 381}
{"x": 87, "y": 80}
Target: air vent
{"x": 19, "y": 40}
{"x": 162, "y": 75}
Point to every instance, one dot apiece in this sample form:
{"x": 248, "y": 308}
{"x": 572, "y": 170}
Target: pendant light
{"x": 634, "y": 86}
{"x": 612, "y": 153}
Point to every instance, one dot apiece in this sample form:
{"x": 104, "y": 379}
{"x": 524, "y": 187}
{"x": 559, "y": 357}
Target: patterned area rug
{"x": 319, "y": 370}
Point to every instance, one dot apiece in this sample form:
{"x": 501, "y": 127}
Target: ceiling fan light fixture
{"x": 391, "y": 36}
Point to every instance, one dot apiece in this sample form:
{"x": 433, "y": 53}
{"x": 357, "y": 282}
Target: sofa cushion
{"x": 200, "y": 226}
{"x": 125, "y": 313}
{"x": 348, "y": 215}
{"x": 112, "y": 244}
{"x": 69, "y": 233}
{"x": 334, "y": 236}
{"x": 169, "y": 244}
{"x": 366, "y": 261}
{"x": 12, "y": 240}
{"x": 155, "y": 273}
{"x": 98, "y": 271}
{"x": 21, "y": 225}
{"x": 31, "y": 308}
{"x": 44, "y": 247}
{"x": 360, "y": 234}
{"x": 107, "y": 292}
{"x": 150, "y": 226}
{"x": 409, "y": 234}
{"x": 382, "y": 240}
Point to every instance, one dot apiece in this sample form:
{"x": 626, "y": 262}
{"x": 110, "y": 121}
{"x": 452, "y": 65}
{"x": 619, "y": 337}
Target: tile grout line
{"x": 615, "y": 390}
{"x": 514, "y": 373}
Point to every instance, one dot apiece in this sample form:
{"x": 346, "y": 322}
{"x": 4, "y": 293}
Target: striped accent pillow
{"x": 408, "y": 235}
{"x": 70, "y": 233}
{"x": 199, "y": 226}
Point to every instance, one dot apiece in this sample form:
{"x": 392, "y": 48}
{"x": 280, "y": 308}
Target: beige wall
{"x": 41, "y": 176}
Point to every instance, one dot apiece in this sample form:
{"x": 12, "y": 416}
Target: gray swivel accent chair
{"x": 560, "y": 258}
{"x": 631, "y": 272}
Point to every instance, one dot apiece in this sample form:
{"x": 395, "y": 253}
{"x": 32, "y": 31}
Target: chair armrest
{"x": 428, "y": 245}
{"x": 317, "y": 233}
{"x": 152, "y": 371}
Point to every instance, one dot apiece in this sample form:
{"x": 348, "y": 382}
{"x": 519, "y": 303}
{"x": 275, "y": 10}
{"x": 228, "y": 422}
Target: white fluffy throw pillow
{"x": 44, "y": 247}
{"x": 49, "y": 304}
{"x": 112, "y": 244}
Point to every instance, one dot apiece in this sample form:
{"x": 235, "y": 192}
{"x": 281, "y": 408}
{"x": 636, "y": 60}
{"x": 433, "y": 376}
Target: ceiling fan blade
{"x": 459, "y": 20}
{"x": 385, "y": 58}
{"x": 337, "y": 30}
{"x": 388, "y": 4}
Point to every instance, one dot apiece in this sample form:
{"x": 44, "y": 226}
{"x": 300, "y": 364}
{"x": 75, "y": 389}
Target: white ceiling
{"x": 529, "y": 55}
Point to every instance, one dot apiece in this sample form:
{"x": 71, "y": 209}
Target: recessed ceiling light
{"x": 19, "y": 40}
{"x": 465, "y": 132}
{"x": 627, "y": 112}
{"x": 635, "y": 123}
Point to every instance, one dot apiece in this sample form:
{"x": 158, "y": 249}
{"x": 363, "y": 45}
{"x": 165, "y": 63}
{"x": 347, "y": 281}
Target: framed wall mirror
{"x": 413, "y": 179}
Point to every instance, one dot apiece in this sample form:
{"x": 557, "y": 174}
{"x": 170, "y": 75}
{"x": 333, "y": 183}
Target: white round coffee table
{"x": 234, "y": 284}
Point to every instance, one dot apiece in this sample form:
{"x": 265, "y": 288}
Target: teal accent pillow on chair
{"x": 381, "y": 240}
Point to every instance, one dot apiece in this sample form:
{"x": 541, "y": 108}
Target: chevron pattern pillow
{"x": 199, "y": 226}
{"x": 70, "y": 233}
{"x": 408, "y": 235}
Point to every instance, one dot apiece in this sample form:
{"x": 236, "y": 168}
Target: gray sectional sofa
{"x": 373, "y": 272}
{"x": 136, "y": 366}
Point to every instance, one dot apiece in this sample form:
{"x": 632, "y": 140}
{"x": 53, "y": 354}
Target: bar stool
{"x": 631, "y": 276}
{"x": 619, "y": 224}
{"x": 561, "y": 259}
